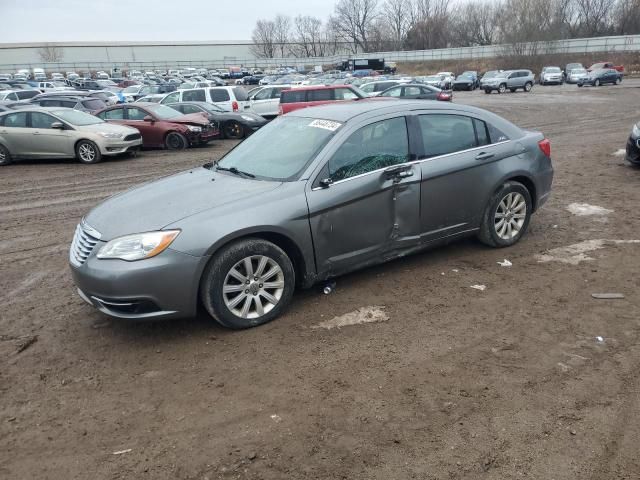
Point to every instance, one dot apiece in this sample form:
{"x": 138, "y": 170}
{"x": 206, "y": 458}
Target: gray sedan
{"x": 314, "y": 194}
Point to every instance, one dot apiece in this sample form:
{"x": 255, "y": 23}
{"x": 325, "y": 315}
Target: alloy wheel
{"x": 253, "y": 286}
{"x": 510, "y": 216}
{"x": 87, "y": 153}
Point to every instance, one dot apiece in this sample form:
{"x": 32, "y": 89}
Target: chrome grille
{"x": 82, "y": 245}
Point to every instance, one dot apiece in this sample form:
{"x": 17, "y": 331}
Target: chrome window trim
{"x": 413, "y": 162}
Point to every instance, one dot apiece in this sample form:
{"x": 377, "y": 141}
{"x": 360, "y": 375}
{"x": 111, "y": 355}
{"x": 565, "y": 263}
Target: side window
{"x": 187, "y": 109}
{"x": 51, "y": 103}
{"x": 194, "y": 96}
{"x": 264, "y": 94}
{"x": 219, "y": 95}
{"x": 293, "y": 96}
{"x": 394, "y": 92}
{"x": 115, "y": 114}
{"x": 443, "y": 134}
{"x": 320, "y": 95}
{"x": 15, "y": 120}
{"x": 496, "y": 135}
{"x": 345, "y": 94}
{"x": 412, "y": 91}
{"x": 135, "y": 113}
{"x": 275, "y": 92}
{"x": 12, "y": 96}
{"x": 41, "y": 120}
{"x": 370, "y": 148}
{"x": 481, "y": 132}
{"x": 367, "y": 88}
{"x": 172, "y": 98}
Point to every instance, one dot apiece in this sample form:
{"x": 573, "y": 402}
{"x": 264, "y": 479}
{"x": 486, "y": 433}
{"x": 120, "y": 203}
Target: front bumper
{"x": 203, "y": 137}
{"x": 633, "y": 150}
{"x": 463, "y": 86}
{"x": 165, "y": 286}
{"x": 118, "y": 147}
{"x": 556, "y": 80}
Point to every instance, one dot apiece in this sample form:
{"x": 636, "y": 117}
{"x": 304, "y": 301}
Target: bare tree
{"x": 264, "y": 39}
{"x": 627, "y": 17}
{"x": 594, "y": 16}
{"x": 353, "y": 21}
{"x": 429, "y": 25}
{"x": 282, "y": 32}
{"x": 474, "y": 23}
{"x": 51, "y": 53}
{"x": 309, "y": 40}
{"x": 397, "y": 14}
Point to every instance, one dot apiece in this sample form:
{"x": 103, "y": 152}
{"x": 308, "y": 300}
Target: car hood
{"x": 154, "y": 205}
{"x": 108, "y": 127}
{"x": 197, "y": 118}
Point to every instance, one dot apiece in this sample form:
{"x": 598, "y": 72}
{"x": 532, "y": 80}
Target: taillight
{"x": 234, "y": 105}
{"x": 444, "y": 96}
{"x": 545, "y": 147}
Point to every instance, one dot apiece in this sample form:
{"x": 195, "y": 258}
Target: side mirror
{"x": 326, "y": 182}
{"x": 57, "y": 125}
{"x": 148, "y": 118}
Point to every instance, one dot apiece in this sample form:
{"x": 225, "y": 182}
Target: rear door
{"x": 15, "y": 134}
{"x": 221, "y": 98}
{"x": 371, "y": 206}
{"x": 459, "y": 167}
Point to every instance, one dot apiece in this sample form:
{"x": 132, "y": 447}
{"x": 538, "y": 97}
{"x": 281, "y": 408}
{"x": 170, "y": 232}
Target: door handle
{"x": 484, "y": 156}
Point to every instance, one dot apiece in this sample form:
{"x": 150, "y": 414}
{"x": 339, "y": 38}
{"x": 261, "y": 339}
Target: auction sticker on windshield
{"x": 326, "y": 124}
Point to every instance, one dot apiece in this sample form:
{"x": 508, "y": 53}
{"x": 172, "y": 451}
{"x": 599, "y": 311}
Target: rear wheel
{"x": 487, "y": 91}
{"x": 175, "y": 141}
{"x": 233, "y": 130}
{"x": 248, "y": 283}
{"x": 507, "y": 216}
{"x": 528, "y": 86}
{"x": 88, "y": 152}
{"x": 5, "y": 156}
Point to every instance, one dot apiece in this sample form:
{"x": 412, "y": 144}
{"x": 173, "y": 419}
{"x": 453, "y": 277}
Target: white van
{"x": 231, "y": 99}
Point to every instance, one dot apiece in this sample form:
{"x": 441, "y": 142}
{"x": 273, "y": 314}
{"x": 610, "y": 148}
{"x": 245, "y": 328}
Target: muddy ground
{"x": 505, "y": 383}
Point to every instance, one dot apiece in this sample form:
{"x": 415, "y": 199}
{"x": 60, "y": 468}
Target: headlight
{"x": 636, "y": 130}
{"x": 194, "y": 129}
{"x": 247, "y": 118}
{"x": 138, "y": 246}
{"x": 111, "y": 135}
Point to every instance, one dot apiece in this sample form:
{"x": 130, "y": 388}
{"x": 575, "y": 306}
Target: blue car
{"x": 601, "y": 76}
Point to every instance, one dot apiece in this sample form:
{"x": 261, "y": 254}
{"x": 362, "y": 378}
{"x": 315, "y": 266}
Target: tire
{"x": 580, "y": 85}
{"x": 502, "y": 88}
{"x": 494, "y": 233}
{"x": 217, "y": 276}
{"x": 528, "y": 86}
{"x": 513, "y": 90}
{"x": 175, "y": 141}
{"x": 5, "y": 156}
{"x": 596, "y": 83}
{"x": 487, "y": 91}
{"x": 618, "y": 81}
{"x": 233, "y": 130}
{"x": 88, "y": 152}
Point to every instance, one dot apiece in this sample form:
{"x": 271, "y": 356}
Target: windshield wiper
{"x": 235, "y": 171}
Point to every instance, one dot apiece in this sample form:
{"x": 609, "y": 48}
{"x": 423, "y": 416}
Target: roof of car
{"x": 345, "y": 111}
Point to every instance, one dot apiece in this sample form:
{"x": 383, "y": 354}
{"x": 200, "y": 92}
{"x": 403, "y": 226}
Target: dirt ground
{"x": 505, "y": 383}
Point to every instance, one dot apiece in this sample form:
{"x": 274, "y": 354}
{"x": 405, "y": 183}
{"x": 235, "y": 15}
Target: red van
{"x": 303, "y": 97}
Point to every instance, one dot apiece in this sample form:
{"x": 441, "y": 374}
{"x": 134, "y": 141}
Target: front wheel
{"x": 618, "y": 81}
{"x": 248, "y": 283}
{"x": 487, "y": 91}
{"x": 5, "y": 156}
{"x": 175, "y": 141}
{"x": 233, "y": 130}
{"x": 507, "y": 216}
{"x": 528, "y": 86}
{"x": 596, "y": 83}
{"x": 502, "y": 88}
{"x": 88, "y": 152}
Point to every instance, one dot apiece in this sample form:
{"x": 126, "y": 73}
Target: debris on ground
{"x": 482, "y": 288}
{"x": 505, "y": 263}
{"x": 276, "y": 418}
{"x": 575, "y": 254}
{"x": 600, "y": 339}
{"x": 26, "y": 343}
{"x": 120, "y": 452}
{"x": 362, "y": 315}
{"x": 620, "y": 152}
{"x": 607, "y": 296}
{"x": 584, "y": 209}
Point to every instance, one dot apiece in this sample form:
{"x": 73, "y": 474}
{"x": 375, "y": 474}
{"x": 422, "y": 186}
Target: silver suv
{"x": 512, "y": 80}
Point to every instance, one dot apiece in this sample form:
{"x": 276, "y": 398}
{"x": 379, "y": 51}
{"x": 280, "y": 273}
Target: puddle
{"x": 370, "y": 314}
{"x": 584, "y": 209}
{"x": 577, "y": 253}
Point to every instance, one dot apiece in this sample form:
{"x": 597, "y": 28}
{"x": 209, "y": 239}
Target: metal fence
{"x": 613, "y": 44}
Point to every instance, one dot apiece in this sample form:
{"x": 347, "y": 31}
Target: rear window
{"x": 194, "y": 96}
{"x": 293, "y": 96}
{"x": 217, "y": 95}
{"x": 94, "y": 104}
{"x": 320, "y": 95}
{"x": 240, "y": 93}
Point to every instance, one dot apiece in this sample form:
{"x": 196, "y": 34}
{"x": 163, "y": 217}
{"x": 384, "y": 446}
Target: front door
{"x": 49, "y": 142}
{"x": 370, "y": 205}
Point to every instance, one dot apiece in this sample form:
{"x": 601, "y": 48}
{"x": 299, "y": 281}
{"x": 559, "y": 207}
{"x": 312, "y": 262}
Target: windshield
{"x": 75, "y": 117}
{"x": 578, "y": 70}
{"x": 491, "y": 74}
{"x": 552, "y": 70}
{"x": 262, "y": 154}
{"x": 163, "y": 112}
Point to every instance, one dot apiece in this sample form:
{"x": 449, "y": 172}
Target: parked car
{"x": 605, "y": 65}
{"x": 162, "y": 126}
{"x": 230, "y": 99}
{"x": 576, "y": 74}
{"x": 62, "y": 133}
{"x": 266, "y": 101}
{"x": 153, "y": 98}
{"x": 551, "y": 75}
{"x": 633, "y": 146}
{"x": 487, "y": 76}
{"x": 232, "y": 125}
{"x": 512, "y": 80}
{"x": 84, "y": 104}
{"x": 312, "y": 195}
{"x": 442, "y": 82}
{"x": 417, "y": 92}
{"x": 376, "y": 88}
{"x": 466, "y": 81}
{"x": 16, "y": 95}
{"x": 304, "y": 97}
{"x": 569, "y": 67}
{"x": 252, "y": 80}
{"x": 601, "y": 76}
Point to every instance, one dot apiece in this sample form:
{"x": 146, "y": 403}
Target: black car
{"x": 601, "y": 76}
{"x": 83, "y": 103}
{"x": 252, "y": 79}
{"x": 633, "y": 146}
{"x": 417, "y": 92}
{"x": 232, "y": 125}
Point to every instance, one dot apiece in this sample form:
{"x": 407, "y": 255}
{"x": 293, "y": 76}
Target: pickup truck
{"x": 596, "y": 66}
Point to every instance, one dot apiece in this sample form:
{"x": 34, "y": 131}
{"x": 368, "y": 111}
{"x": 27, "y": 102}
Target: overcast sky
{"x": 149, "y": 20}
